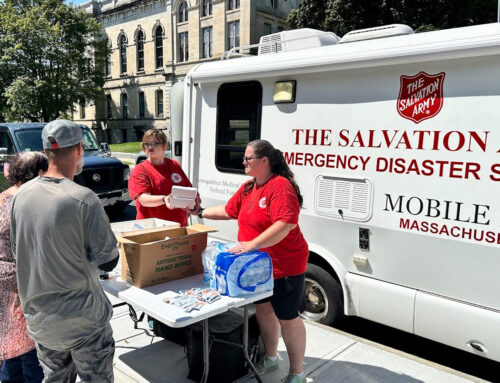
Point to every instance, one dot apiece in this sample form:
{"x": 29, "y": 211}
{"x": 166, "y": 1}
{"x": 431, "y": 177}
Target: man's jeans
{"x": 22, "y": 369}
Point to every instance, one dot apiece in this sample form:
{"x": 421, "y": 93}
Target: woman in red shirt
{"x": 151, "y": 181}
{"x": 267, "y": 208}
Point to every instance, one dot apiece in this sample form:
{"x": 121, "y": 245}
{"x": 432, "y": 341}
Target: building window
{"x": 108, "y": 58}
{"x": 142, "y": 105}
{"x": 207, "y": 41}
{"x": 233, "y": 4}
{"x": 140, "y": 51}
{"x": 159, "y": 104}
{"x": 82, "y": 110}
{"x": 233, "y": 34}
{"x": 274, "y": 4}
{"x": 183, "y": 47}
{"x": 183, "y": 12}
{"x": 207, "y": 7}
{"x": 159, "y": 47}
{"x": 124, "y": 105}
{"x": 109, "y": 111}
{"x": 267, "y": 29}
{"x": 123, "y": 54}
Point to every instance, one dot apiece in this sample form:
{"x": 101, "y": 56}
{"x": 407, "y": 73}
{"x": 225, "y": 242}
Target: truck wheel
{"x": 324, "y": 298}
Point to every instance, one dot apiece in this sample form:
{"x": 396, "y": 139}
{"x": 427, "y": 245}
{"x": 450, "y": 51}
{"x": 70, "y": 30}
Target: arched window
{"x": 207, "y": 7}
{"x": 123, "y": 54}
{"x": 183, "y": 47}
{"x": 159, "y": 103}
{"x": 140, "y": 51}
{"x": 109, "y": 110}
{"x": 183, "y": 12}
{"x": 142, "y": 105}
{"x": 108, "y": 58}
{"x": 159, "y": 46}
{"x": 124, "y": 105}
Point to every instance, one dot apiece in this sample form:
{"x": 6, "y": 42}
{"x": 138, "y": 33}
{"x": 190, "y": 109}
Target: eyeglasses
{"x": 151, "y": 144}
{"x": 246, "y": 159}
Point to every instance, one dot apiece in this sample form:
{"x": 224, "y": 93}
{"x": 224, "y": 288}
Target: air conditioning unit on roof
{"x": 377, "y": 33}
{"x": 296, "y": 39}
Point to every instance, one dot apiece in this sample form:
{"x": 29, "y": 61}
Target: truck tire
{"x": 324, "y": 297}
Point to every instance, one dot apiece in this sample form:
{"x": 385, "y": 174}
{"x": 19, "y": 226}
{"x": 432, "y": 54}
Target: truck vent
{"x": 270, "y": 44}
{"x": 296, "y": 39}
{"x": 344, "y": 198}
{"x": 377, "y": 33}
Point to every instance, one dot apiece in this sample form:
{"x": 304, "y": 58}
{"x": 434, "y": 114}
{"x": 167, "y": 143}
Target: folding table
{"x": 150, "y": 300}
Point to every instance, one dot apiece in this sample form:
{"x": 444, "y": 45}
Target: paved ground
{"x": 331, "y": 356}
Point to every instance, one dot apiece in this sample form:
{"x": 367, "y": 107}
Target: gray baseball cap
{"x": 61, "y": 134}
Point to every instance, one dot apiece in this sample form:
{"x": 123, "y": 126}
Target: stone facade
{"x": 183, "y": 33}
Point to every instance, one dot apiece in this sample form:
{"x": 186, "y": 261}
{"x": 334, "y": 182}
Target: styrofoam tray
{"x": 119, "y": 228}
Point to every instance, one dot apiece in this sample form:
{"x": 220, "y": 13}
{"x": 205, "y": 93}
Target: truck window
{"x": 239, "y": 108}
{"x": 6, "y": 142}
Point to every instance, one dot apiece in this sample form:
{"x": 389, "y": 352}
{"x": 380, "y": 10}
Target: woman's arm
{"x": 214, "y": 212}
{"x": 271, "y": 236}
{"x": 148, "y": 200}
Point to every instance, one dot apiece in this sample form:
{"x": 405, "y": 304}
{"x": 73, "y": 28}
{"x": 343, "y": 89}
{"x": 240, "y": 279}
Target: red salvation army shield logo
{"x": 420, "y": 96}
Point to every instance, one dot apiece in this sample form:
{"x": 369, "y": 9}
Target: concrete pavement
{"x": 331, "y": 356}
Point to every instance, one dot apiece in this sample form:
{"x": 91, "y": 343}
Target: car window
{"x": 30, "y": 140}
{"x": 89, "y": 142}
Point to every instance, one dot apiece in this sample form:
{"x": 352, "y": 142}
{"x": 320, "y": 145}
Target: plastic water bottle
{"x": 208, "y": 260}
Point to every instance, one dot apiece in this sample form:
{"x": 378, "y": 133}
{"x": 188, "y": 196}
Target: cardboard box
{"x": 147, "y": 258}
{"x": 138, "y": 225}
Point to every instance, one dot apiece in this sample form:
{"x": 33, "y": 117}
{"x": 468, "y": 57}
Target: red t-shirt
{"x": 157, "y": 180}
{"x": 276, "y": 200}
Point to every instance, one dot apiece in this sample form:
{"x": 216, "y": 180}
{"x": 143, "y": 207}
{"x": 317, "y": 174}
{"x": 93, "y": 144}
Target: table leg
{"x": 206, "y": 351}
{"x": 133, "y": 315}
{"x": 245, "y": 348}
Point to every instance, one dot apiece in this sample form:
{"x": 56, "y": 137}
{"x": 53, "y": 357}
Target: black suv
{"x": 105, "y": 175}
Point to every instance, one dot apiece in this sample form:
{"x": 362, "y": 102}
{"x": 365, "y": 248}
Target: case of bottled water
{"x": 243, "y": 274}
{"x": 209, "y": 258}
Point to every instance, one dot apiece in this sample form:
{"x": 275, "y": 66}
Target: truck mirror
{"x": 104, "y": 148}
{"x": 3, "y": 154}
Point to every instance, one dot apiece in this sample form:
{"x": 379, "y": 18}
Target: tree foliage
{"x": 50, "y": 59}
{"x": 342, "y": 16}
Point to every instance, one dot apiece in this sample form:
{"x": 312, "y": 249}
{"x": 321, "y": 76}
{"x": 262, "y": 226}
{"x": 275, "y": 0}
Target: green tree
{"x": 51, "y": 57}
{"x": 342, "y": 16}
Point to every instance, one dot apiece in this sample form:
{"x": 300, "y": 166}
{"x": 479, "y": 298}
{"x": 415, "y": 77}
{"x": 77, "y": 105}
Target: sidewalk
{"x": 331, "y": 356}
{"x": 126, "y": 156}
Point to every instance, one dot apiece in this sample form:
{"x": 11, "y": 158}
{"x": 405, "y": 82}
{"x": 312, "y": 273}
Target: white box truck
{"x": 394, "y": 139}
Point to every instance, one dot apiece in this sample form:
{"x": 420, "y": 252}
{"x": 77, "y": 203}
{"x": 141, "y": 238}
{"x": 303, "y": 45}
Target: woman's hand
{"x": 243, "y": 247}
{"x": 167, "y": 200}
{"x": 197, "y": 205}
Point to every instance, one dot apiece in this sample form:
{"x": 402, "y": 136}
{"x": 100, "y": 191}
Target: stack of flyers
{"x": 193, "y": 299}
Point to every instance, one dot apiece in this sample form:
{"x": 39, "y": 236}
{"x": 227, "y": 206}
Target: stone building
{"x": 154, "y": 43}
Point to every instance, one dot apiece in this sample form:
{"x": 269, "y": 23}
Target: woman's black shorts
{"x": 288, "y": 299}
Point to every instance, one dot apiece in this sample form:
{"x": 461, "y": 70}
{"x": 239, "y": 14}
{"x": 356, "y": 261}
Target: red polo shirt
{"x": 157, "y": 180}
{"x": 276, "y": 200}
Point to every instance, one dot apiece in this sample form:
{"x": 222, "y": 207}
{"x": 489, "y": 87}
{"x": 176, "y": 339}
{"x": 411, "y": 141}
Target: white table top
{"x": 150, "y": 300}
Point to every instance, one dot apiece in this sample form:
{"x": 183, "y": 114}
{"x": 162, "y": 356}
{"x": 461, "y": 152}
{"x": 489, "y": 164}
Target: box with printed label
{"x": 156, "y": 256}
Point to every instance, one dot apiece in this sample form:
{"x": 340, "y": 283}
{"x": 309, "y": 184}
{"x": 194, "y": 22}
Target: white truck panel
{"x": 415, "y": 116}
